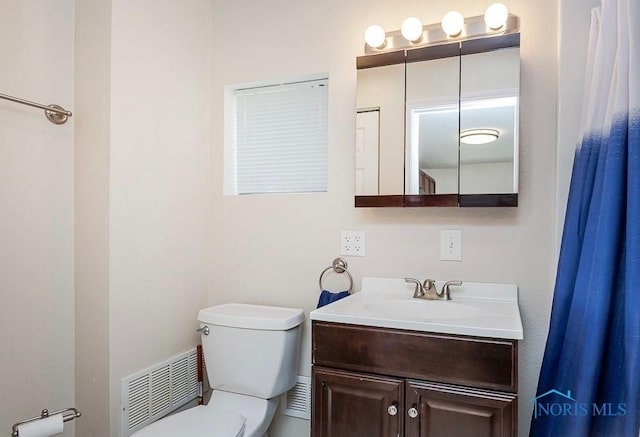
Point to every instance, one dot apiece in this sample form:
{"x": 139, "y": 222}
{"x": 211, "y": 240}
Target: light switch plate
{"x": 352, "y": 243}
{"x": 451, "y": 245}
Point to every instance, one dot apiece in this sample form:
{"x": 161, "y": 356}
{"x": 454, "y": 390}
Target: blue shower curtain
{"x": 590, "y": 378}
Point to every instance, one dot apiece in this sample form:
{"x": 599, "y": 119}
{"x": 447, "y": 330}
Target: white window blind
{"x": 281, "y": 138}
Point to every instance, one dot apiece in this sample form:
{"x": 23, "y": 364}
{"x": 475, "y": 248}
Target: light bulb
{"x": 375, "y": 36}
{"x": 411, "y": 29}
{"x": 452, "y": 23}
{"x": 496, "y": 16}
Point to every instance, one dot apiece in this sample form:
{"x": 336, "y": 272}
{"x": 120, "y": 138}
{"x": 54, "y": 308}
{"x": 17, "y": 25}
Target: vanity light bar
{"x": 433, "y": 34}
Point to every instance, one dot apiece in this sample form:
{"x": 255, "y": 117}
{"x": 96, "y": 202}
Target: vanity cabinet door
{"x": 349, "y": 404}
{"x": 454, "y": 411}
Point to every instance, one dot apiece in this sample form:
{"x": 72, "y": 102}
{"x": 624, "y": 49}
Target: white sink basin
{"x": 477, "y": 309}
{"x": 421, "y": 309}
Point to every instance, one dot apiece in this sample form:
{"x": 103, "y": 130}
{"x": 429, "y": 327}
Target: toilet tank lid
{"x": 240, "y": 315}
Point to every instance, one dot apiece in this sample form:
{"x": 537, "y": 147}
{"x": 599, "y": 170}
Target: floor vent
{"x": 154, "y": 392}
{"x": 297, "y": 401}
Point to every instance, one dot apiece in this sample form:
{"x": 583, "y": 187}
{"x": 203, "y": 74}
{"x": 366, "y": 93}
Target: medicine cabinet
{"x": 438, "y": 125}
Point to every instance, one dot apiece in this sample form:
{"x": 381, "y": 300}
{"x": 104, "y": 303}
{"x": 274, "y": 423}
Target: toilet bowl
{"x": 251, "y": 356}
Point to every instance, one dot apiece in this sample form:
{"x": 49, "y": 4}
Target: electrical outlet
{"x": 451, "y": 245}
{"x": 352, "y": 243}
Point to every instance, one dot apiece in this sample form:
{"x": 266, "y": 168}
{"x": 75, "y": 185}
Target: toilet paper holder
{"x": 67, "y": 415}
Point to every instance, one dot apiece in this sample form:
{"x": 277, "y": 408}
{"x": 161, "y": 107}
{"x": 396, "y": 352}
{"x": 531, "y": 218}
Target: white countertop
{"x": 476, "y": 309}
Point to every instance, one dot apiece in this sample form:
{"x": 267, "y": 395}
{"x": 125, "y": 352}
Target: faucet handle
{"x": 446, "y": 291}
{"x": 419, "y": 291}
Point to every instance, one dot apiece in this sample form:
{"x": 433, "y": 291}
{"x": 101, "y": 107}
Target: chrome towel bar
{"x": 55, "y": 114}
{"x": 67, "y": 415}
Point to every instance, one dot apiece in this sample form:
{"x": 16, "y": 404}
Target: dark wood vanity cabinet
{"x": 353, "y": 404}
{"x": 370, "y": 382}
{"x": 445, "y": 410}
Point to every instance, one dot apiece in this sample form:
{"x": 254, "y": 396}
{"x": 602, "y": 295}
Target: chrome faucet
{"x": 428, "y": 290}
{"x": 424, "y": 290}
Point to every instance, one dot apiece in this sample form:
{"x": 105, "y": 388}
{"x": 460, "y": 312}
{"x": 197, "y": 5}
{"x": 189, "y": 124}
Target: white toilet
{"x": 251, "y": 354}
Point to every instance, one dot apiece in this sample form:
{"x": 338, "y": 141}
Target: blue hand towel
{"x": 326, "y": 297}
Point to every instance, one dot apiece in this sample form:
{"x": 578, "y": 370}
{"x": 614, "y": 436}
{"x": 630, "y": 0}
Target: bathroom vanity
{"x": 445, "y": 368}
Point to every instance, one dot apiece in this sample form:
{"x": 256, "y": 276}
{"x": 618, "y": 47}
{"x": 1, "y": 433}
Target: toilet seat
{"x": 226, "y": 415}
{"x": 257, "y": 412}
{"x": 200, "y": 421}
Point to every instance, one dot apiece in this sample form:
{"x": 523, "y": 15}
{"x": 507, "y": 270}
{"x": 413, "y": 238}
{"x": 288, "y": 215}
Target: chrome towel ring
{"x": 339, "y": 265}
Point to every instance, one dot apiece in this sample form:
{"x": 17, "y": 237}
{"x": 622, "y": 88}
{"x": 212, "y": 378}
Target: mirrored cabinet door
{"x": 489, "y": 90}
{"x": 432, "y": 126}
{"x": 380, "y": 131}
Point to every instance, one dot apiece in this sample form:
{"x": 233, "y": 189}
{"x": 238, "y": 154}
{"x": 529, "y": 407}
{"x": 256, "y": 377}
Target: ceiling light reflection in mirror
{"x": 433, "y": 138}
{"x": 479, "y": 136}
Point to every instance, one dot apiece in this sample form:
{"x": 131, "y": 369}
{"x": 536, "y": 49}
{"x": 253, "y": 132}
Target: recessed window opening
{"x": 279, "y": 141}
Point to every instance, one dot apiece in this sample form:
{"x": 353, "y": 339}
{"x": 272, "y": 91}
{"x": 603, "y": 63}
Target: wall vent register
{"x": 154, "y": 392}
{"x": 297, "y": 401}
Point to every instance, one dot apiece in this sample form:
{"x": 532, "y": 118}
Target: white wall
{"x": 446, "y": 179}
{"x": 92, "y": 124}
{"x": 478, "y": 178}
{"x": 159, "y": 182}
{"x": 271, "y": 249}
{"x": 486, "y": 177}
{"x": 36, "y": 211}
{"x": 143, "y": 141}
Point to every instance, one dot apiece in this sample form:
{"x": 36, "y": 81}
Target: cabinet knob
{"x": 413, "y": 413}
{"x": 392, "y": 410}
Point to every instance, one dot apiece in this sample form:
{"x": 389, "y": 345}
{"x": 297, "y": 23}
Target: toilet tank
{"x": 251, "y": 349}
